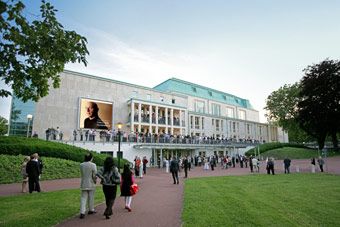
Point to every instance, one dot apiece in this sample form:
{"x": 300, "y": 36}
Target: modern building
{"x": 172, "y": 109}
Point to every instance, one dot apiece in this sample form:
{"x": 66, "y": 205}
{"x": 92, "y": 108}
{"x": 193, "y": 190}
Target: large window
{"x": 216, "y": 109}
{"x": 242, "y": 114}
{"x": 197, "y": 122}
{"x": 199, "y": 106}
{"x": 230, "y": 112}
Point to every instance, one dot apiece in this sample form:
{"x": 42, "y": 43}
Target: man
{"x": 33, "y": 171}
{"x": 145, "y": 161}
{"x": 270, "y": 166}
{"x": 251, "y": 163}
{"x": 88, "y": 171}
{"x": 174, "y": 167}
{"x": 186, "y": 166}
{"x": 286, "y": 163}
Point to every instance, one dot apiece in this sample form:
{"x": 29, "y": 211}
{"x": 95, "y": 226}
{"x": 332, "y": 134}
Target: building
{"x": 172, "y": 109}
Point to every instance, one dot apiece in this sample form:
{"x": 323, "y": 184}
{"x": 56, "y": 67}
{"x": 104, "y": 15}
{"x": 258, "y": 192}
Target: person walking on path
{"x": 270, "y": 166}
{"x": 24, "y": 174}
{"x": 88, "y": 171}
{"x": 110, "y": 178}
{"x": 251, "y": 165}
{"x": 174, "y": 167}
{"x": 321, "y": 162}
{"x": 286, "y": 163}
{"x": 145, "y": 161}
{"x": 33, "y": 172}
{"x": 125, "y": 186}
{"x": 313, "y": 164}
{"x": 255, "y": 164}
{"x": 186, "y": 166}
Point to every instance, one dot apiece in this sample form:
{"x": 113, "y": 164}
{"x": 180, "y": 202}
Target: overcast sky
{"x": 245, "y": 48}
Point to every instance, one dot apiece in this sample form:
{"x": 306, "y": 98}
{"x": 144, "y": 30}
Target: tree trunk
{"x": 321, "y": 141}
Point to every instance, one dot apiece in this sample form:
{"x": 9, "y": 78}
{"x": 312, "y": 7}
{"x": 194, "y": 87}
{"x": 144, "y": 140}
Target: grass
{"x": 54, "y": 168}
{"x": 291, "y": 152}
{"x": 42, "y": 209}
{"x": 263, "y": 200}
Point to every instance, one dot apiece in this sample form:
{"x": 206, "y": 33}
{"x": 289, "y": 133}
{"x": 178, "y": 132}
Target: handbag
{"x": 134, "y": 189}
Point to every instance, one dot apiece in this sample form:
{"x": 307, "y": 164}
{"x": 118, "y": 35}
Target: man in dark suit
{"x": 174, "y": 167}
{"x": 33, "y": 172}
{"x": 186, "y": 166}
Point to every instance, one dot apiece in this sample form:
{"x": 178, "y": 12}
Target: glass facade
{"x": 18, "y": 124}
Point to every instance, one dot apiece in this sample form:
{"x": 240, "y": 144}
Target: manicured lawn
{"x": 263, "y": 200}
{"x": 42, "y": 209}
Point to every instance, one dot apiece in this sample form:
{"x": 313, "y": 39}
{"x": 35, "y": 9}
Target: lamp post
{"x": 119, "y": 153}
{"x": 29, "y": 118}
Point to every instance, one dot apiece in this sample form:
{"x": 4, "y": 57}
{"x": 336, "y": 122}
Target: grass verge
{"x": 263, "y": 200}
{"x": 42, "y": 209}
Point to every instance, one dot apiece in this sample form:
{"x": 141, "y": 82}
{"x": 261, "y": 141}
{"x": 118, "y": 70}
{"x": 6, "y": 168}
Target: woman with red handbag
{"x": 125, "y": 186}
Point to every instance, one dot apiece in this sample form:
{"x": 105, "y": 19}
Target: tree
{"x": 3, "y": 126}
{"x": 319, "y": 107}
{"x": 32, "y": 54}
{"x": 281, "y": 107}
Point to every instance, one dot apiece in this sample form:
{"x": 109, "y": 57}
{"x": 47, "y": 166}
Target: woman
{"x": 24, "y": 174}
{"x": 110, "y": 178}
{"x": 126, "y": 182}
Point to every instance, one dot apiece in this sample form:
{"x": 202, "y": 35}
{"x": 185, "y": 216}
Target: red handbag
{"x": 134, "y": 189}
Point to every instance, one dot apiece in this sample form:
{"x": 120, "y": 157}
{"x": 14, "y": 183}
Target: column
{"x": 139, "y": 116}
{"x": 166, "y": 119}
{"x": 132, "y": 116}
{"x": 157, "y": 119}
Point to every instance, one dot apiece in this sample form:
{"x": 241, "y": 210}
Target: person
{"x": 270, "y": 166}
{"x": 145, "y": 161}
{"x": 251, "y": 163}
{"x": 88, "y": 171}
{"x": 127, "y": 180}
{"x": 321, "y": 162}
{"x": 286, "y": 163}
{"x": 137, "y": 165}
{"x": 33, "y": 172}
{"x": 174, "y": 167}
{"x": 24, "y": 174}
{"x": 313, "y": 164}
{"x": 93, "y": 120}
{"x": 255, "y": 164}
{"x": 110, "y": 178}
{"x": 186, "y": 166}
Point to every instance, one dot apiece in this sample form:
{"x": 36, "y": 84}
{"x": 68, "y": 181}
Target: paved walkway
{"x": 159, "y": 201}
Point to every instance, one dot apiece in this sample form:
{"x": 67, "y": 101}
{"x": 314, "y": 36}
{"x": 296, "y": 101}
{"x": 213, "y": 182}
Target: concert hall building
{"x": 185, "y": 118}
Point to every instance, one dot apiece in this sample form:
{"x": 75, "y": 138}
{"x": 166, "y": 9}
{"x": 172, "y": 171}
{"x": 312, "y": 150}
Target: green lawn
{"x": 42, "y": 209}
{"x": 263, "y": 200}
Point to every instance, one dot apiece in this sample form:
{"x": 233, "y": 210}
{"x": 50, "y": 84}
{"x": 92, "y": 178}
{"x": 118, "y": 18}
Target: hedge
{"x": 27, "y": 146}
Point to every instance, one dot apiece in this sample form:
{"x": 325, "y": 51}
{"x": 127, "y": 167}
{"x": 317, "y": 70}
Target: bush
{"x": 28, "y": 146}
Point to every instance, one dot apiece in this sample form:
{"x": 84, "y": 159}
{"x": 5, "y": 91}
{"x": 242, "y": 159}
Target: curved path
{"x": 159, "y": 201}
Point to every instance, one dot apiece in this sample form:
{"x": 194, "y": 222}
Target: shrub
{"x": 28, "y": 146}
{"x": 271, "y": 146}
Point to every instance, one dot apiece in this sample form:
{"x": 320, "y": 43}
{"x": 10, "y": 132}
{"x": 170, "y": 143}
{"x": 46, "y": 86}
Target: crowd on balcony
{"x": 145, "y": 118}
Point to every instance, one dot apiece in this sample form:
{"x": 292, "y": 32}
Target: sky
{"x": 241, "y": 47}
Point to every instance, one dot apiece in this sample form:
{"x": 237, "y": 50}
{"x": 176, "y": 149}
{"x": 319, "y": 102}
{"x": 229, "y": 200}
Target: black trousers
{"x": 33, "y": 184}
{"x": 287, "y": 169}
{"x": 185, "y": 172}
{"x": 175, "y": 176}
{"x": 110, "y": 196}
{"x": 270, "y": 169}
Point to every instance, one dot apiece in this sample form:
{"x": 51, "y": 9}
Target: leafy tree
{"x": 281, "y": 107}
{"x": 319, "y": 107}
{"x": 3, "y": 126}
{"x": 32, "y": 54}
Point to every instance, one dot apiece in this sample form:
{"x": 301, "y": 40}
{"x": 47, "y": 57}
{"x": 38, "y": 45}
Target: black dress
{"x": 126, "y": 184}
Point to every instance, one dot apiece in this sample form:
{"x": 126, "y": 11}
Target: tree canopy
{"x": 33, "y": 53}
{"x": 281, "y": 107}
{"x": 319, "y": 106}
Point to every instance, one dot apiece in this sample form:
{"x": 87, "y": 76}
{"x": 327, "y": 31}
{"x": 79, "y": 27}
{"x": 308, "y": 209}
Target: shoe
{"x": 92, "y": 212}
{"x": 126, "y": 207}
{"x": 177, "y": 182}
{"x": 107, "y": 216}
{"x": 129, "y": 209}
{"x": 174, "y": 182}
{"x": 82, "y": 216}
